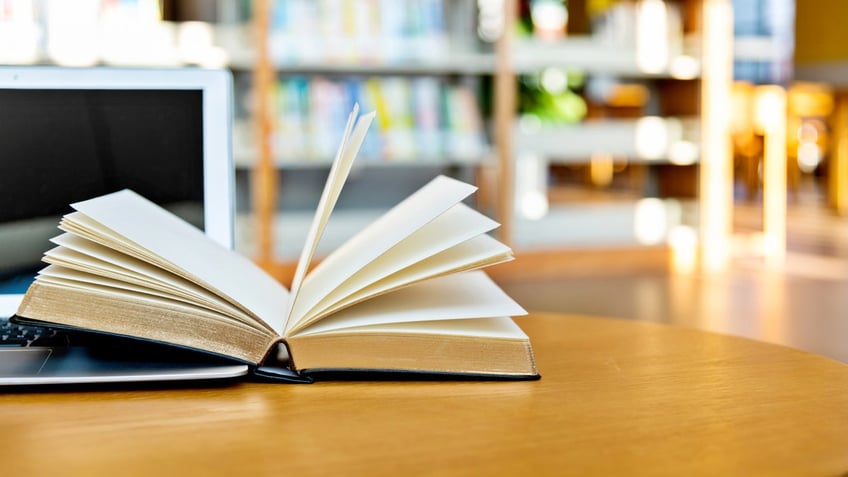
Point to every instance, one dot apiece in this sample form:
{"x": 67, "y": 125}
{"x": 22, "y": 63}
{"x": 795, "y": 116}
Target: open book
{"x": 405, "y": 294}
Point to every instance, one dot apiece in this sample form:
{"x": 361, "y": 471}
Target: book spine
{"x": 357, "y": 31}
{"x": 423, "y": 118}
{"x": 278, "y": 366}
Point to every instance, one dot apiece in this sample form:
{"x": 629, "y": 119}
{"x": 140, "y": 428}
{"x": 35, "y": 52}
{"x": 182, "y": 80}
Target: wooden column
{"x": 838, "y": 169}
{"x": 505, "y": 103}
{"x": 716, "y": 167}
{"x": 772, "y": 102}
{"x": 264, "y": 171}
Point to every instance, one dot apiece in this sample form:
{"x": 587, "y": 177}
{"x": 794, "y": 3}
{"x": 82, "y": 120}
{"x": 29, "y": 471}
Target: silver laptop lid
{"x": 68, "y": 134}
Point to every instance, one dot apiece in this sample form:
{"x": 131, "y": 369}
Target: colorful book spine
{"x": 418, "y": 118}
{"x": 357, "y": 31}
{"x": 425, "y": 103}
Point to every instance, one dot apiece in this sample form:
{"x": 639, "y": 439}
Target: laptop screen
{"x": 62, "y": 145}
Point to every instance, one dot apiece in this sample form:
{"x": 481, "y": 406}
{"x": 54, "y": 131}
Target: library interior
{"x": 678, "y": 162}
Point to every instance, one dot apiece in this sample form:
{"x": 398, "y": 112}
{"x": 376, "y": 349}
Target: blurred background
{"x": 681, "y": 162}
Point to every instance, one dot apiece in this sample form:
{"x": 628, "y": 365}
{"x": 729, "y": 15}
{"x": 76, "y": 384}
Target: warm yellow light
{"x": 771, "y": 118}
{"x": 810, "y": 99}
{"x": 683, "y": 242}
{"x": 716, "y": 172}
{"x": 650, "y": 223}
{"x": 683, "y": 153}
{"x": 769, "y": 108}
{"x": 622, "y": 95}
{"x": 684, "y": 67}
{"x": 838, "y": 167}
{"x": 806, "y": 142}
{"x": 809, "y": 156}
{"x": 652, "y": 49}
{"x": 742, "y": 94}
{"x": 651, "y": 137}
{"x": 601, "y": 169}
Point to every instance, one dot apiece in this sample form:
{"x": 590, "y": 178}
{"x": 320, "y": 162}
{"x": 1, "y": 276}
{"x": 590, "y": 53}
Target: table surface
{"x": 615, "y": 398}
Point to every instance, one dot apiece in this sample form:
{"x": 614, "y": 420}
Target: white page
{"x": 478, "y": 252}
{"x": 455, "y": 226}
{"x": 68, "y": 276}
{"x": 497, "y": 327}
{"x": 94, "y": 256}
{"x": 149, "y": 227}
{"x": 457, "y": 296}
{"x": 339, "y": 171}
{"x": 70, "y": 258}
{"x": 402, "y": 220}
{"x": 85, "y": 256}
{"x": 121, "y": 295}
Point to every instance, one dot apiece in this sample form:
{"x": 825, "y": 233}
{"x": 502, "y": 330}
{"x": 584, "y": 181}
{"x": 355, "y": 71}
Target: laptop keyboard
{"x": 12, "y": 334}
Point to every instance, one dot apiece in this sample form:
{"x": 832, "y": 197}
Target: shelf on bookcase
{"x": 600, "y": 225}
{"x": 594, "y": 55}
{"x": 651, "y": 139}
{"x": 237, "y": 42}
{"x": 246, "y": 159}
{"x": 563, "y": 226}
{"x": 454, "y": 64}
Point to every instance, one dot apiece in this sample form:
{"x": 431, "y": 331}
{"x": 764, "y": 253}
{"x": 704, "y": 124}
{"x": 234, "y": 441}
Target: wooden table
{"x": 616, "y": 398}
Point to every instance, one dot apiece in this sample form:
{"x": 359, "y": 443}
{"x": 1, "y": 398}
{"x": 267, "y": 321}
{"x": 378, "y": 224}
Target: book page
{"x": 429, "y": 202}
{"x": 457, "y": 296}
{"x": 85, "y": 255}
{"x": 140, "y": 228}
{"x": 455, "y": 226}
{"x": 74, "y": 277}
{"x": 89, "y": 257}
{"x": 478, "y": 252}
{"x": 497, "y": 327}
{"x": 348, "y": 149}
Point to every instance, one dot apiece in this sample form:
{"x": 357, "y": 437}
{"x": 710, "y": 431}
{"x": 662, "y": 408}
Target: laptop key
{"x": 12, "y": 334}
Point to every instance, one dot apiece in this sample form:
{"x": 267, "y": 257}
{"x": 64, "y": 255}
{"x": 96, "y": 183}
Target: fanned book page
{"x": 401, "y": 222}
{"x": 133, "y": 225}
{"x": 352, "y": 140}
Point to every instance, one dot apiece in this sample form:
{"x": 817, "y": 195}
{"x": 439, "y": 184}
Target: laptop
{"x": 70, "y": 134}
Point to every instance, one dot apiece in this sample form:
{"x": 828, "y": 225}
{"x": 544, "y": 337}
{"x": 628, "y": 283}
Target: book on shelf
{"x": 426, "y": 91}
{"x": 406, "y": 294}
{"x": 355, "y": 32}
{"x": 420, "y": 119}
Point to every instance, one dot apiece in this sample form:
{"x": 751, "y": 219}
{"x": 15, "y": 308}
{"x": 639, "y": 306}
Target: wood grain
{"x": 616, "y": 398}
{"x": 504, "y": 112}
{"x": 264, "y": 173}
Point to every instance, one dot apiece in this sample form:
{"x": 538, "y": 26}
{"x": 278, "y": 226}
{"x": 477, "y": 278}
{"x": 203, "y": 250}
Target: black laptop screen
{"x": 63, "y": 146}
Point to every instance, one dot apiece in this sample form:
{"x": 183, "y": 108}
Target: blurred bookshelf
{"x": 418, "y": 63}
{"x": 552, "y": 121}
{"x": 579, "y": 120}
{"x": 604, "y": 143}
{"x": 421, "y": 119}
